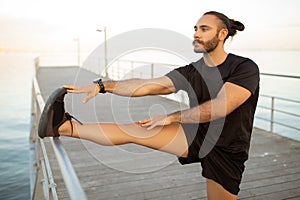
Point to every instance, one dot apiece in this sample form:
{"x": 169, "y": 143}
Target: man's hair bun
{"x": 235, "y": 26}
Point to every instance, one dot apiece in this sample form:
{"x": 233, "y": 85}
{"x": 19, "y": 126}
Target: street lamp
{"x": 105, "y": 49}
{"x": 78, "y": 50}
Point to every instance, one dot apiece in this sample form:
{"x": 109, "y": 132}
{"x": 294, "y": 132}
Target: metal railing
{"x": 277, "y": 111}
{"x": 42, "y": 182}
{"x": 273, "y": 110}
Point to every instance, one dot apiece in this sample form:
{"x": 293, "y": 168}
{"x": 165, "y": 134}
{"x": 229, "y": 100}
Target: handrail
{"x": 281, "y": 75}
{"x": 281, "y": 98}
{"x": 274, "y": 110}
{"x": 47, "y": 181}
{"x": 70, "y": 178}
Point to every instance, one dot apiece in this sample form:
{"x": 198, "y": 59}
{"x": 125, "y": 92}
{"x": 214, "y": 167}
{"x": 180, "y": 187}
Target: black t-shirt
{"x": 203, "y": 83}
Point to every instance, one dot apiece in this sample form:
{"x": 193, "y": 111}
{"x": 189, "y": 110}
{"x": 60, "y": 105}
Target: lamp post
{"x": 105, "y": 49}
{"x": 78, "y": 50}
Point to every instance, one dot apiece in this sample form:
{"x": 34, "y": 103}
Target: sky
{"x": 44, "y": 25}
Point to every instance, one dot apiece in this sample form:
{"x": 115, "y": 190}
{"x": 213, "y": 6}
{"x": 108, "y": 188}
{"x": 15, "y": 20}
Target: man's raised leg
{"x": 169, "y": 138}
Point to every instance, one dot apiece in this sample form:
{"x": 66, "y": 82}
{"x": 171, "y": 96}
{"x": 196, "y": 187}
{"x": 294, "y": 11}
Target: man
{"x": 223, "y": 91}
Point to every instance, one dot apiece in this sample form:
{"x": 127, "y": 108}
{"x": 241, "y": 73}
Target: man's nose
{"x": 197, "y": 34}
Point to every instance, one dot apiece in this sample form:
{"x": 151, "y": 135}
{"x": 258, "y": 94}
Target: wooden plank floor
{"x": 134, "y": 172}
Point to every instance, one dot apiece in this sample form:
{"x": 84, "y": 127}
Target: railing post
{"x": 37, "y": 63}
{"x": 118, "y": 71}
{"x": 272, "y": 115}
{"x": 152, "y": 70}
{"x": 33, "y": 146}
{"x": 132, "y": 74}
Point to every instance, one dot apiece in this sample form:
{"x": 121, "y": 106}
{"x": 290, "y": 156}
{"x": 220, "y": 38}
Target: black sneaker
{"x": 53, "y": 114}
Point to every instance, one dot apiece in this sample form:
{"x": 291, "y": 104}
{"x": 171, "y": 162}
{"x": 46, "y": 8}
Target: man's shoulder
{"x": 237, "y": 62}
{"x": 239, "y": 59}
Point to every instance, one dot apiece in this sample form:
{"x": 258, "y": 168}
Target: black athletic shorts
{"x": 223, "y": 166}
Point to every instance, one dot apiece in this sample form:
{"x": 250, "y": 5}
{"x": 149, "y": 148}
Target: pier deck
{"x": 134, "y": 172}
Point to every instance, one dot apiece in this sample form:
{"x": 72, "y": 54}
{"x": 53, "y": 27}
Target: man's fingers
{"x": 75, "y": 90}
{"x": 72, "y": 89}
{"x": 146, "y": 124}
{"x": 69, "y": 87}
{"x": 89, "y": 90}
{"x": 145, "y": 121}
{"x": 151, "y": 127}
{"x": 86, "y": 99}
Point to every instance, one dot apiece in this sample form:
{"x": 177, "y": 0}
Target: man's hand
{"x": 160, "y": 120}
{"x": 90, "y": 91}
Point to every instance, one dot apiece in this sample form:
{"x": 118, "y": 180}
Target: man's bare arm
{"x": 229, "y": 98}
{"x": 140, "y": 87}
{"x": 131, "y": 87}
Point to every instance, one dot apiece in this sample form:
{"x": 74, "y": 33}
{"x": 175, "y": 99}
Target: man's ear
{"x": 223, "y": 34}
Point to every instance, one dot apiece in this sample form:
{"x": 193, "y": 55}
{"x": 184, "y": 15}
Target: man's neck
{"x": 215, "y": 57}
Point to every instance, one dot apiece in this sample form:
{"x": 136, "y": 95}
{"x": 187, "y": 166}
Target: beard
{"x": 208, "y": 46}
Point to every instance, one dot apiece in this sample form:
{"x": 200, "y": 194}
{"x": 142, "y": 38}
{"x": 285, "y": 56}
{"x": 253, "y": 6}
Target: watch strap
{"x": 101, "y": 85}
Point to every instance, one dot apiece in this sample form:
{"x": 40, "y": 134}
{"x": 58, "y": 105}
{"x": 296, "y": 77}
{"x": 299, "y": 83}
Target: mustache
{"x": 198, "y": 42}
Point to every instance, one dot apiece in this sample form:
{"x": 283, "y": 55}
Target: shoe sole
{"x": 46, "y": 119}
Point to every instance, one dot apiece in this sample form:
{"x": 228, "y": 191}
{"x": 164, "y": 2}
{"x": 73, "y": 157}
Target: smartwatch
{"x": 100, "y": 83}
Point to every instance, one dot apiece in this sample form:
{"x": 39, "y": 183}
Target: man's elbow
{"x": 219, "y": 110}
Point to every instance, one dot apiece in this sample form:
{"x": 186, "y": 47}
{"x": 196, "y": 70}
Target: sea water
{"x": 15, "y": 83}
{"x": 15, "y": 103}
